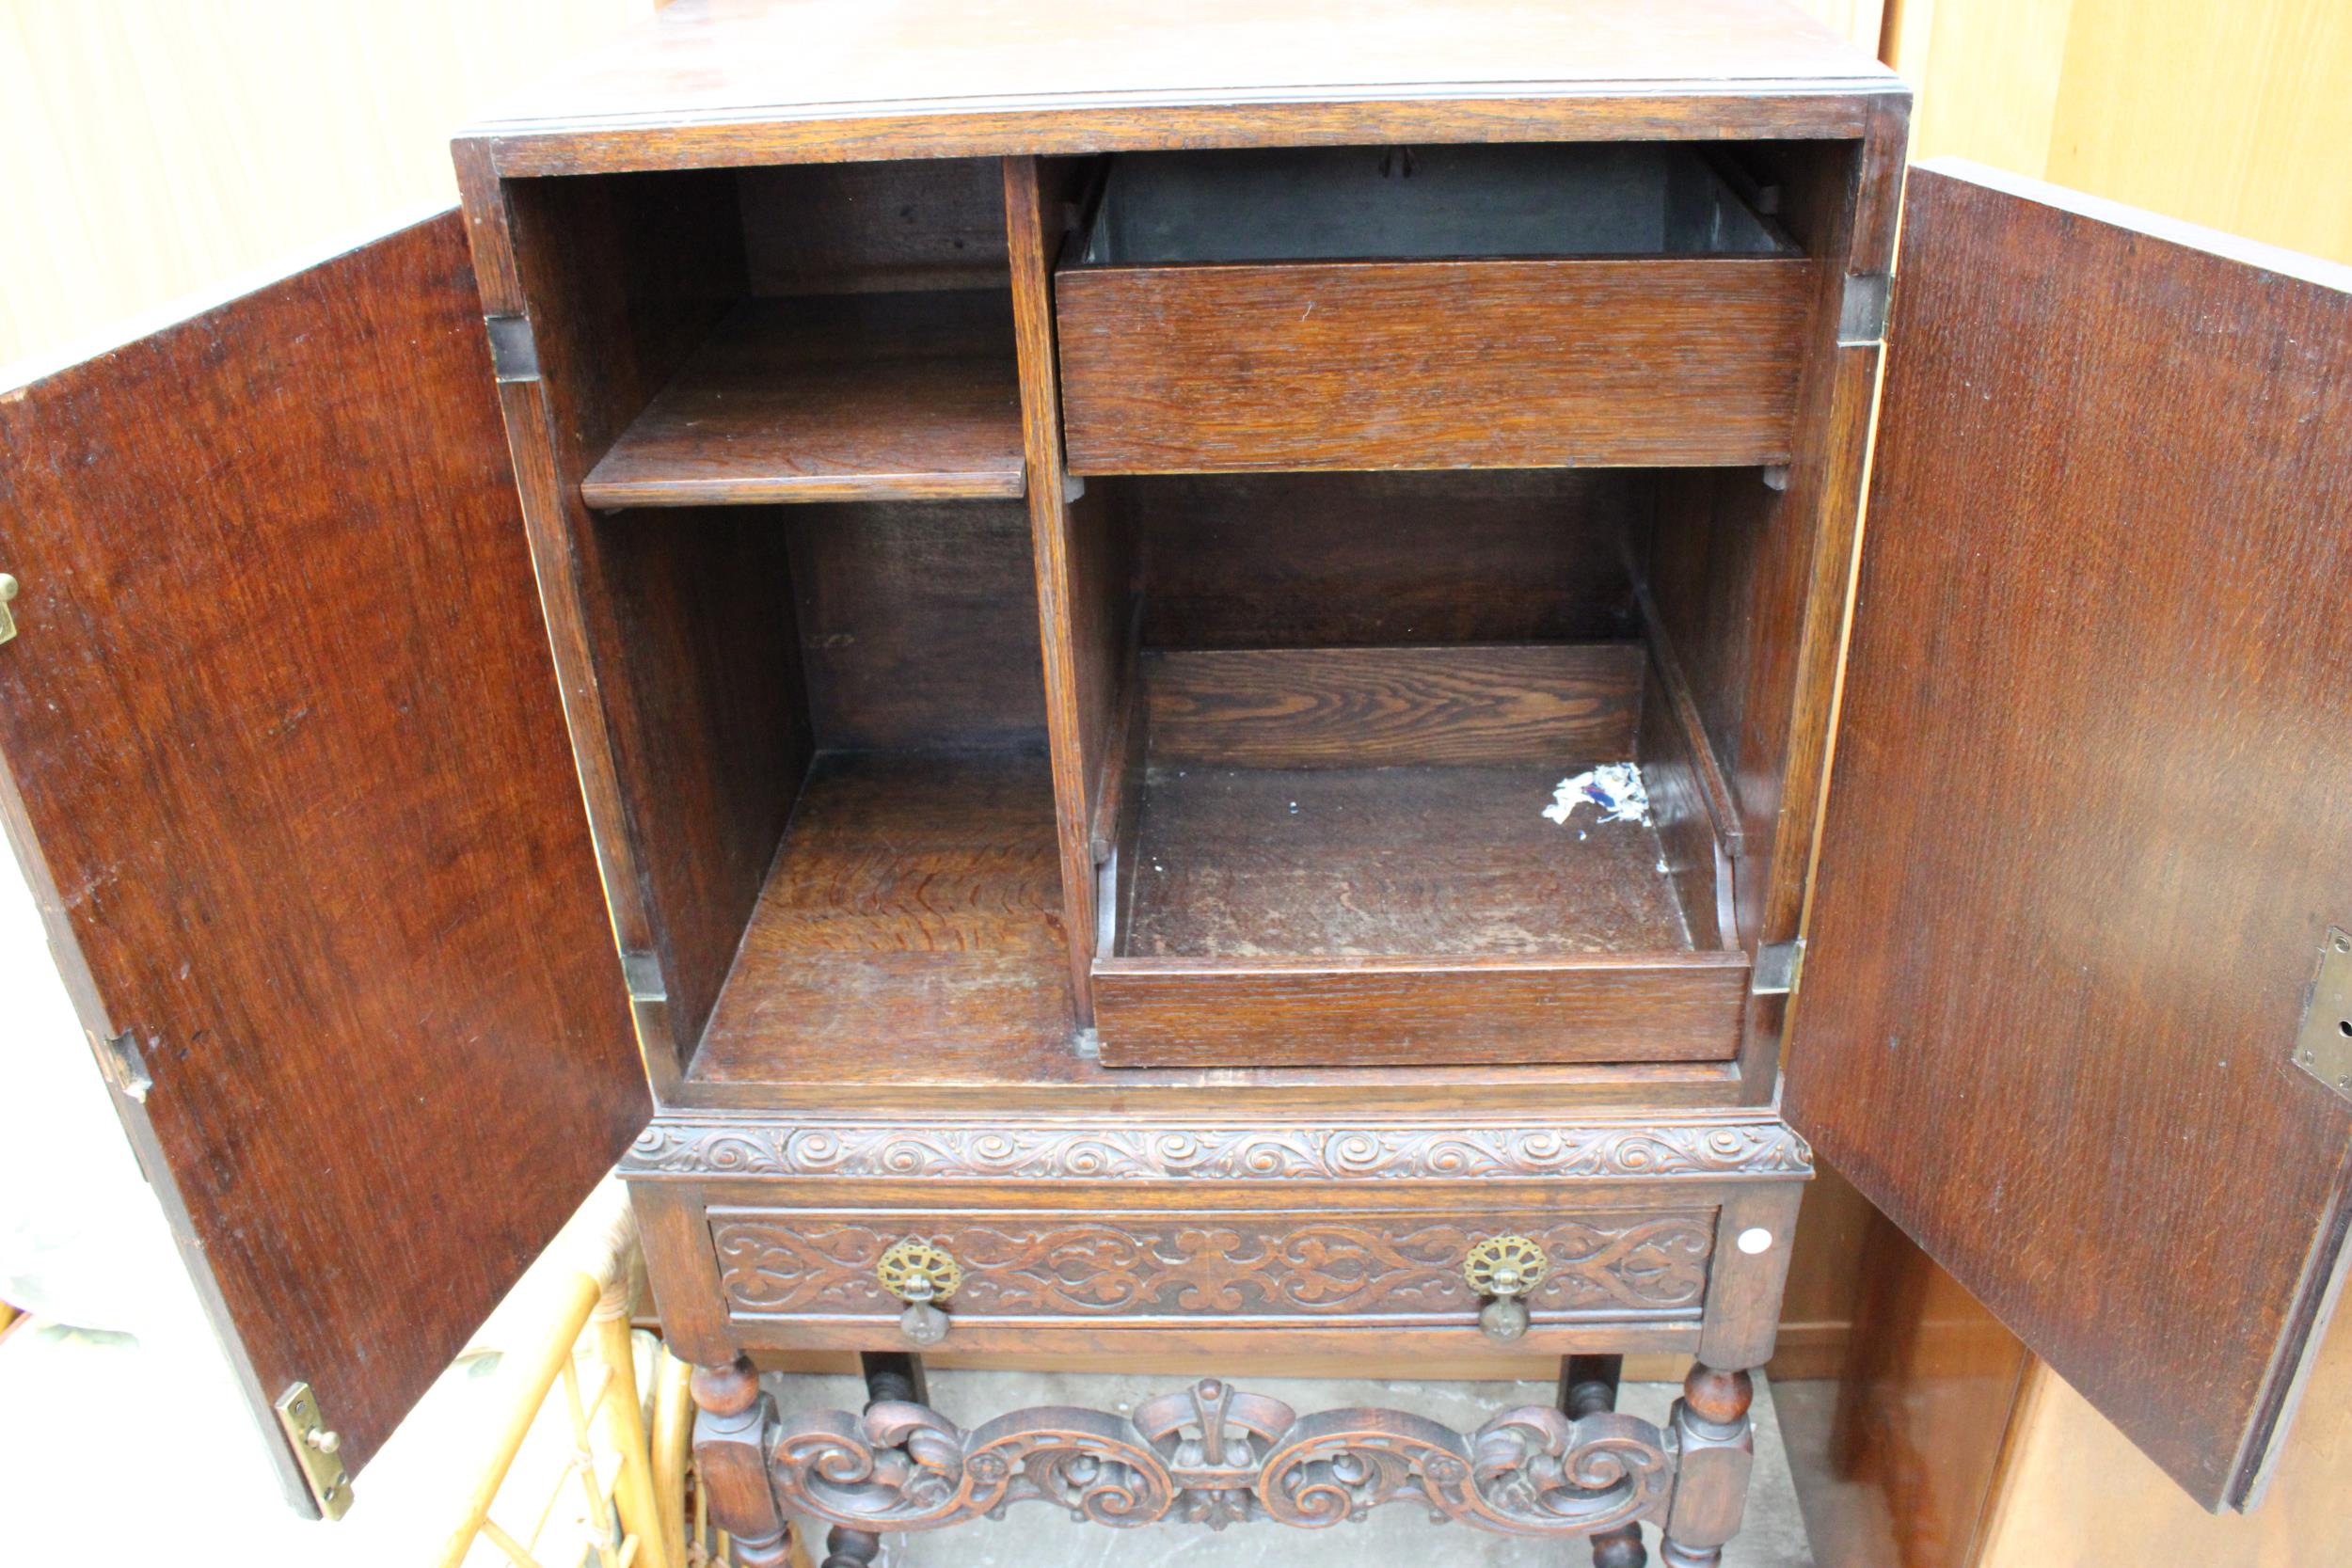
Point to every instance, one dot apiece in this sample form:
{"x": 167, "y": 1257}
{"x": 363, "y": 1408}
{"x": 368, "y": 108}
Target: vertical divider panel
{"x": 1080, "y": 571}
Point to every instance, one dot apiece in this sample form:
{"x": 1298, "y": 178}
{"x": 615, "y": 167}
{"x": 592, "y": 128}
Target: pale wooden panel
{"x": 2224, "y": 112}
{"x": 2232, "y": 113}
{"x": 1856, "y": 21}
{"x": 156, "y": 148}
{"x": 2075, "y": 1491}
{"x": 1987, "y": 74}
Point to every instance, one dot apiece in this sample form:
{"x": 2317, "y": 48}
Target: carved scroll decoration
{"x": 1212, "y": 1455}
{"x": 892, "y": 1150}
{"x": 799, "y": 1262}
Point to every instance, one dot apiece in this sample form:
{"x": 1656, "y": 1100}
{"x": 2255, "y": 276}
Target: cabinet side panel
{"x": 686, "y": 632}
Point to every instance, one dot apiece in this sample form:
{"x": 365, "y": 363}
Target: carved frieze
{"x": 783, "y": 1261}
{"x": 851, "y": 1151}
{"x": 1216, "y": 1456}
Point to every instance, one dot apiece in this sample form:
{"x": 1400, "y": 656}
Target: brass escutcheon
{"x": 1505, "y": 1266}
{"x": 919, "y": 1273}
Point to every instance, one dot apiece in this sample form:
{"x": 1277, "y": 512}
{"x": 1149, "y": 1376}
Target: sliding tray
{"x": 1436, "y": 307}
{"x": 1340, "y": 857}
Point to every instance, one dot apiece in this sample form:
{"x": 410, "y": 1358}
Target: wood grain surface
{"x": 917, "y": 624}
{"x": 1333, "y": 559}
{"x": 896, "y": 397}
{"x": 288, "y": 773}
{"x": 1431, "y": 364}
{"x": 1418, "y": 1012}
{"x": 717, "y": 83}
{"x": 2096, "y": 740}
{"x": 912, "y": 906}
{"x": 1552, "y": 705}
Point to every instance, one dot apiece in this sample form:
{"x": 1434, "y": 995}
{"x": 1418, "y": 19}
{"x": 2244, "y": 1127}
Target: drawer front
{"x": 1235, "y": 1269}
{"x": 1431, "y": 364}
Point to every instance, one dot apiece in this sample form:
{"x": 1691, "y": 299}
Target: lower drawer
{"x": 1208, "y": 1269}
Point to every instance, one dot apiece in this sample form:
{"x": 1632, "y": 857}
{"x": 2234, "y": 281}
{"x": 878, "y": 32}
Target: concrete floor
{"x": 1399, "y": 1536}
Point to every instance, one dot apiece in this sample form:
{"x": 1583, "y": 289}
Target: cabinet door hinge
{"x": 1862, "y": 313}
{"x": 124, "y": 1064}
{"x": 317, "y": 1448}
{"x": 2323, "y": 1047}
{"x": 1777, "y": 966}
{"x": 514, "y": 348}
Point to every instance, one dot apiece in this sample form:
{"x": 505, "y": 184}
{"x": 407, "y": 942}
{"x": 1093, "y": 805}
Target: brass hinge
{"x": 124, "y": 1064}
{"x": 2323, "y": 1047}
{"x": 514, "y": 348}
{"x": 1777, "y": 966}
{"x": 1862, "y": 310}
{"x": 7, "y": 620}
{"x": 317, "y": 1448}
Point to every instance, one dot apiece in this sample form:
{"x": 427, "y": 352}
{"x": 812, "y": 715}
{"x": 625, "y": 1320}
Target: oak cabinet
{"x": 1102, "y": 600}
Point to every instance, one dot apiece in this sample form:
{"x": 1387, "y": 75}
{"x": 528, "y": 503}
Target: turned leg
{"x": 1711, "y": 1486}
{"x": 731, "y": 1422}
{"x": 1588, "y": 1386}
{"x": 851, "y": 1548}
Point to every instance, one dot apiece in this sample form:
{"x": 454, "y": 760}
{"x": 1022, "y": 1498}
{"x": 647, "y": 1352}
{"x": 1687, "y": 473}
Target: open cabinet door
{"x": 2090, "y": 826}
{"x": 285, "y": 764}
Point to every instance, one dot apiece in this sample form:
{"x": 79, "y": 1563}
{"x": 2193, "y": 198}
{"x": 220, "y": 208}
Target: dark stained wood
{"x": 1669, "y": 700}
{"x": 1376, "y": 1271}
{"x": 702, "y": 84}
{"x": 1376, "y": 707}
{"x": 1084, "y": 563}
{"x": 1675, "y": 765}
{"x": 731, "y": 1424}
{"x": 918, "y": 625}
{"x": 2097, "y": 741}
{"x": 1388, "y": 861}
{"x": 1353, "y": 1011}
{"x": 285, "y": 764}
{"x": 1431, "y": 364}
{"x": 905, "y": 397}
{"x": 831, "y": 228}
{"x": 1749, "y": 581}
{"x": 668, "y": 626}
{"x": 1308, "y": 561}
{"x": 913, "y": 901}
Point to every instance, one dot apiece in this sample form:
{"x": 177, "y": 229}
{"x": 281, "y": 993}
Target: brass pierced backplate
{"x": 1505, "y": 1266}
{"x": 914, "y": 1271}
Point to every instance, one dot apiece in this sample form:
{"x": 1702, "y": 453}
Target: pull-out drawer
{"x": 1464, "y": 307}
{"x": 847, "y": 1276}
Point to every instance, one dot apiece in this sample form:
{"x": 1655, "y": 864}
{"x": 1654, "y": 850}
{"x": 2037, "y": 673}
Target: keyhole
{"x": 2344, "y": 1028}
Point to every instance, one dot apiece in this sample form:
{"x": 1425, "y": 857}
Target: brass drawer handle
{"x": 922, "y": 1275}
{"x": 1502, "y": 1269}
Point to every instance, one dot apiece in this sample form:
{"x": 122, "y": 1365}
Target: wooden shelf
{"x": 854, "y": 397}
{"x": 913, "y": 909}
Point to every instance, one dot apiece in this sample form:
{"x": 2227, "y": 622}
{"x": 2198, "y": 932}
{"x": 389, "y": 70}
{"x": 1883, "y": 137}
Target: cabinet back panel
{"x": 626, "y": 275}
{"x": 1269, "y": 560}
{"x": 858, "y": 228}
{"x": 918, "y": 625}
{"x": 1635, "y": 199}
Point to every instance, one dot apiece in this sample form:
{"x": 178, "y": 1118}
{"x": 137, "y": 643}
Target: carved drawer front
{"x": 1388, "y": 1270}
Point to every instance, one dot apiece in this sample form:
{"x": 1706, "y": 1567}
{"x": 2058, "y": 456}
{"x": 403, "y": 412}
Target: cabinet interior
{"x": 1408, "y": 203}
{"x": 1319, "y": 714}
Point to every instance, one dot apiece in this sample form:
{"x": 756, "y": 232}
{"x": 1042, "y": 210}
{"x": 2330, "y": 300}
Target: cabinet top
{"x": 715, "y": 82}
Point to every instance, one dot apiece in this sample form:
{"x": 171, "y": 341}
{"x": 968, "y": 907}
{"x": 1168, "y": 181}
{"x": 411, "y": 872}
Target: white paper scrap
{"x": 1614, "y": 789}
